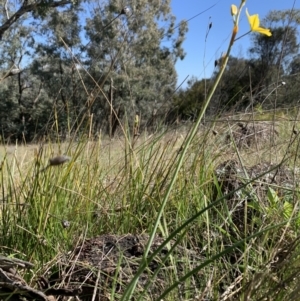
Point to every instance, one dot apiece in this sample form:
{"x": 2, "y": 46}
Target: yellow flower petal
{"x": 234, "y": 10}
{"x": 254, "y": 24}
{"x": 253, "y": 20}
{"x": 262, "y": 30}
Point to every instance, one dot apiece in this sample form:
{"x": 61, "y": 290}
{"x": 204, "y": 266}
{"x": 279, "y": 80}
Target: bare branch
{"x": 6, "y": 9}
{"x": 26, "y": 9}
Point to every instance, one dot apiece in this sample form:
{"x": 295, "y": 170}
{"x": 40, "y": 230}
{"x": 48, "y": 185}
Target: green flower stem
{"x": 131, "y": 287}
{"x": 242, "y": 35}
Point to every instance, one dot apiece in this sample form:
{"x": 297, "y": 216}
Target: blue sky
{"x": 200, "y": 57}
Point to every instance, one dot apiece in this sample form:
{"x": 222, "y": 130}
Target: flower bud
{"x": 234, "y": 10}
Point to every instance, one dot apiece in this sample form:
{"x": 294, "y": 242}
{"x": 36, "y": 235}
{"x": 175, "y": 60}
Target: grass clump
{"x": 235, "y": 229}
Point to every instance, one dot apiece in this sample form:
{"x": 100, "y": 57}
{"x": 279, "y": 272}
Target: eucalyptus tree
{"x": 132, "y": 49}
{"x": 126, "y": 59}
{"x": 292, "y": 80}
{"x": 256, "y": 81}
{"x": 15, "y": 12}
{"x": 271, "y": 56}
{"x": 12, "y": 84}
{"x": 55, "y": 68}
{"x": 24, "y": 102}
{"x": 188, "y": 102}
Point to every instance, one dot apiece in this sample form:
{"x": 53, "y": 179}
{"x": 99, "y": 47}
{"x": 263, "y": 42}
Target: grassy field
{"x": 204, "y": 211}
{"x": 245, "y": 238}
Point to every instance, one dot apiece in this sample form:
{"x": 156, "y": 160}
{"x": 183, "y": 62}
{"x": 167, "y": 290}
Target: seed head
{"x": 59, "y": 160}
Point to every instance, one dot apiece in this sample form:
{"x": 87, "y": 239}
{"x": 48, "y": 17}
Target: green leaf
{"x": 287, "y": 209}
{"x": 272, "y": 197}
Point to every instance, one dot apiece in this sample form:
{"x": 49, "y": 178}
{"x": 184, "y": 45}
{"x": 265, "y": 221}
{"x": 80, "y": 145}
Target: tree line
{"x": 69, "y": 66}
{"x": 268, "y": 78}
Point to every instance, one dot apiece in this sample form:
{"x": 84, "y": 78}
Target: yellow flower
{"x": 234, "y": 10}
{"x": 254, "y": 25}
